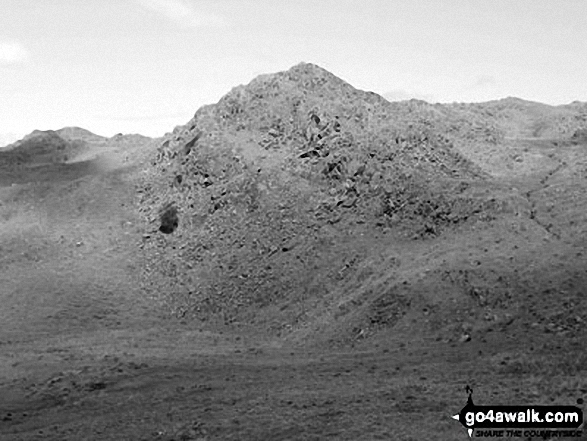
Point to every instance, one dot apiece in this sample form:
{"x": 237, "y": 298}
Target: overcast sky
{"x": 145, "y": 66}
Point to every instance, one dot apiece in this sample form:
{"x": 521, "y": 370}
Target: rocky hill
{"x": 301, "y": 260}
{"x": 273, "y": 197}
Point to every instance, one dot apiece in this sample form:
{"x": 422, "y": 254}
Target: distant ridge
{"x": 37, "y": 138}
{"x": 51, "y": 147}
{"x": 8, "y": 138}
{"x": 77, "y": 133}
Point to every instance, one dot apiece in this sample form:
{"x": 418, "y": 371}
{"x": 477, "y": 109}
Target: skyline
{"x": 146, "y": 66}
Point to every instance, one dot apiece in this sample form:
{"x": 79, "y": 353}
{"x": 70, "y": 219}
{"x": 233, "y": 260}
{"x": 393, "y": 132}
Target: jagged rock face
{"x": 275, "y": 180}
{"x": 284, "y": 187}
{"x": 290, "y": 162}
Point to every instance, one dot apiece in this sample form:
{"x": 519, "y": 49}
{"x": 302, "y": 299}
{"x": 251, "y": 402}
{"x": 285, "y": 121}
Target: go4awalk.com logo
{"x": 520, "y": 421}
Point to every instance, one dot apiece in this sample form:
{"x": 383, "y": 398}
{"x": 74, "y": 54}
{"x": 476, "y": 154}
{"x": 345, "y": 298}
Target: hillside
{"x": 64, "y": 154}
{"x": 301, "y": 260}
{"x": 293, "y": 190}
{"x": 291, "y": 161}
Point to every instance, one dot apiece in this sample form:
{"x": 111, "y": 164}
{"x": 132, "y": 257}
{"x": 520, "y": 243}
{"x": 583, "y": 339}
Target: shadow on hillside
{"x": 46, "y": 173}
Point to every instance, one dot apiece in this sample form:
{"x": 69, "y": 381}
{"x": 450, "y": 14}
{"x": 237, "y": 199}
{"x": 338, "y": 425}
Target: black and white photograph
{"x": 233, "y": 220}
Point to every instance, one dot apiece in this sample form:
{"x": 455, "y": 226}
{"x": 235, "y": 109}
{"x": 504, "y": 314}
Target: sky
{"x": 146, "y": 66}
